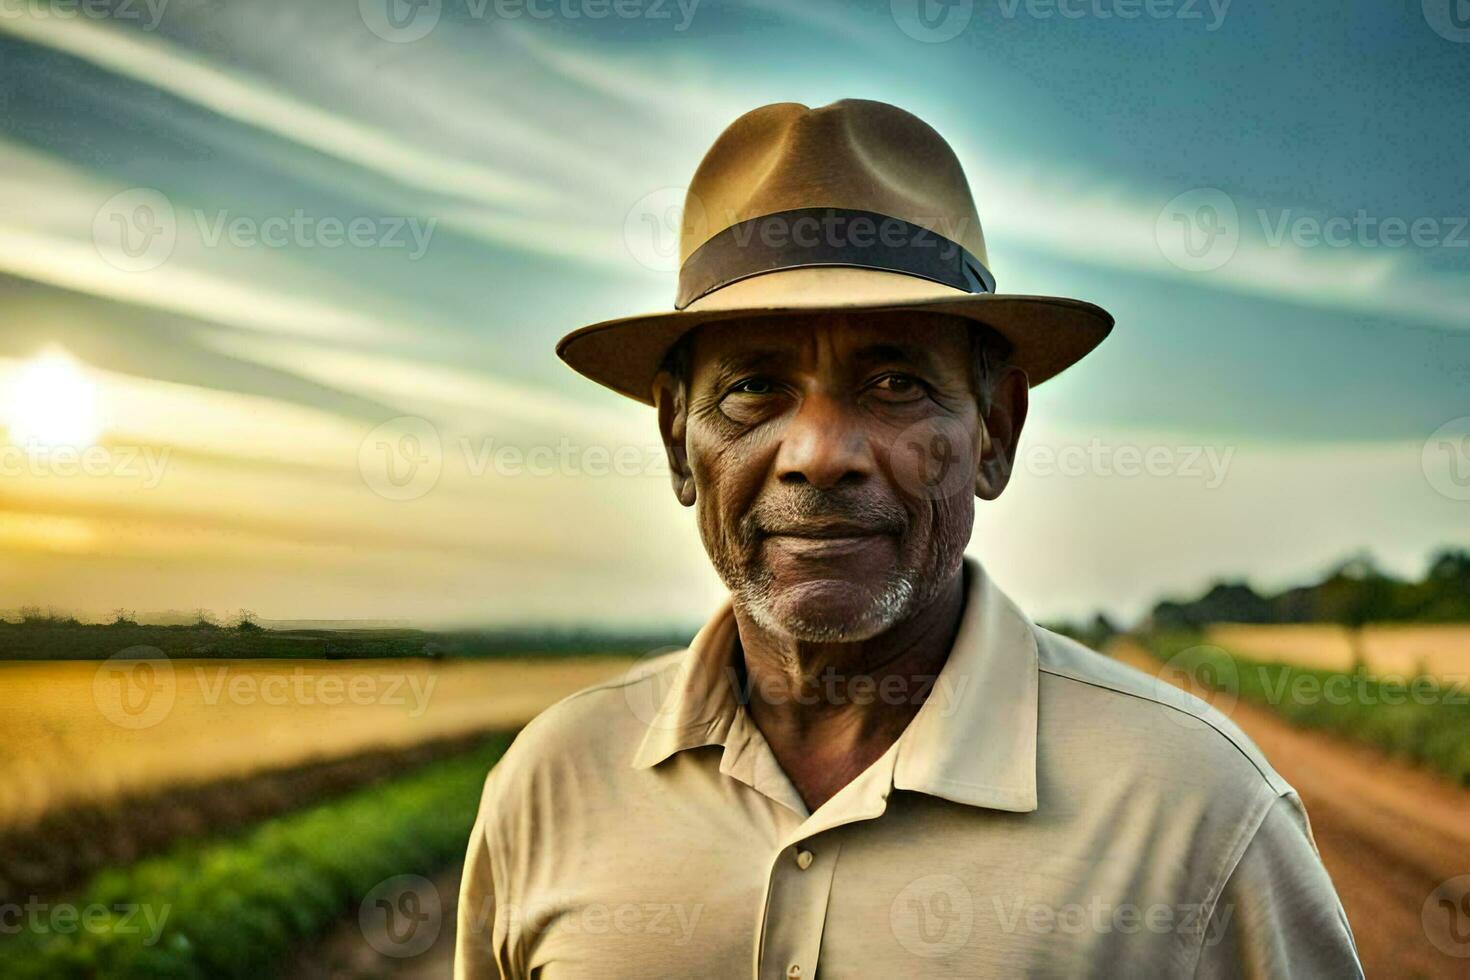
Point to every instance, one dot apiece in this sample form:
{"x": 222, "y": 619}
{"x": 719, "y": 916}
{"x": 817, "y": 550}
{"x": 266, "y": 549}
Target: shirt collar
{"x": 972, "y": 742}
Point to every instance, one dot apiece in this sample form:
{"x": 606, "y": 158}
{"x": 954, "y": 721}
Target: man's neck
{"x": 829, "y": 710}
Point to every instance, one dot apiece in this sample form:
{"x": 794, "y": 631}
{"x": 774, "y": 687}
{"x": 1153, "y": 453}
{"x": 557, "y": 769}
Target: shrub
{"x": 238, "y": 906}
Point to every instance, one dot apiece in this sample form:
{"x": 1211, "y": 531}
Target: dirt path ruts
{"x": 1389, "y": 834}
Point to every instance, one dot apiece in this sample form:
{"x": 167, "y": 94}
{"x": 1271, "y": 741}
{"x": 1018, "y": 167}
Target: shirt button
{"x": 803, "y": 861}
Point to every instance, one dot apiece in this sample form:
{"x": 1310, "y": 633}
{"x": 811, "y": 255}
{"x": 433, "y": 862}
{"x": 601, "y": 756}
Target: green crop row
{"x": 1423, "y": 719}
{"x": 238, "y": 906}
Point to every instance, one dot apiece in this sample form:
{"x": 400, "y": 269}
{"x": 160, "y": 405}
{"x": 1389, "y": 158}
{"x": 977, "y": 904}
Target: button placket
{"x": 796, "y": 911}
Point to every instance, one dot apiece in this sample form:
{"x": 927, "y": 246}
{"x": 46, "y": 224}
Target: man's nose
{"x": 824, "y": 445}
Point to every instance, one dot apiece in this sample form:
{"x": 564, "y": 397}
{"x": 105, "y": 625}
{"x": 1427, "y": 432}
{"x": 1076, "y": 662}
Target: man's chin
{"x": 832, "y": 610}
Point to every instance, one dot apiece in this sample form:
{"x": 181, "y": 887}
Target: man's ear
{"x": 671, "y": 401}
{"x": 1000, "y": 431}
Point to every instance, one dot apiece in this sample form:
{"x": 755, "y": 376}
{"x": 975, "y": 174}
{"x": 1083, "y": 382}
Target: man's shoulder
{"x": 1128, "y": 714}
{"x": 593, "y": 729}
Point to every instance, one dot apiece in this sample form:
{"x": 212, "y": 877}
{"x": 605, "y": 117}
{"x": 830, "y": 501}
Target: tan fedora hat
{"x": 853, "y": 206}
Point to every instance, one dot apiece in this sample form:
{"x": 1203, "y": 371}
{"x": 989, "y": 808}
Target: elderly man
{"x": 870, "y": 762}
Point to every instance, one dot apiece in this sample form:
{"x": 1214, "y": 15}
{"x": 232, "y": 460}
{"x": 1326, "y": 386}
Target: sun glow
{"x": 50, "y": 402}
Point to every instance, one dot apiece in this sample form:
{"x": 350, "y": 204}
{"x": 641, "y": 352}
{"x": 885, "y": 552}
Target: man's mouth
{"x": 828, "y": 541}
{"x": 829, "y": 531}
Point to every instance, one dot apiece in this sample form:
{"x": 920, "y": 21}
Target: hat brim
{"x": 1047, "y": 334}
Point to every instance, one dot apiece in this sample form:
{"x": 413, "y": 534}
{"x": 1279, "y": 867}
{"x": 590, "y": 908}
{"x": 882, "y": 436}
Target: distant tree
{"x": 204, "y": 619}
{"x": 1170, "y": 615}
{"x": 1444, "y": 595}
{"x": 1355, "y": 594}
{"x": 1103, "y": 630}
{"x": 124, "y": 617}
{"x": 245, "y": 622}
{"x": 1096, "y": 633}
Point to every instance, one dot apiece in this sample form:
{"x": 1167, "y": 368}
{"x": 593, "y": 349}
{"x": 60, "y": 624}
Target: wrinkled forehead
{"x": 933, "y": 341}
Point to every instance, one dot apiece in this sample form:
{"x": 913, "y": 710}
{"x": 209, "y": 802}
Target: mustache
{"x": 805, "y": 508}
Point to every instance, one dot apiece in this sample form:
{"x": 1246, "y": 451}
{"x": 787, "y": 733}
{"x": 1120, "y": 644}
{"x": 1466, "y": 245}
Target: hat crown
{"x": 856, "y": 206}
{"x": 855, "y": 155}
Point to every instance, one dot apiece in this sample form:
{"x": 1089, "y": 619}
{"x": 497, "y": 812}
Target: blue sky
{"x": 512, "y": 166}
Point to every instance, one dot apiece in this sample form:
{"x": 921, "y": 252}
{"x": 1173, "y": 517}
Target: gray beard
{"x": 897, "y": 600}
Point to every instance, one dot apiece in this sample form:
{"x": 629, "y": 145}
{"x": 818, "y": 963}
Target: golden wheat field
{"x": 90, "y": 731}
{"x": 1441, "y": 651}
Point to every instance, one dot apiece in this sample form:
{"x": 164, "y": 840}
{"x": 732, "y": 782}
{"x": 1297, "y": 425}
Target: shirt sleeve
{"x": 1278, "y": 914}
{"x": 475, "y": 943}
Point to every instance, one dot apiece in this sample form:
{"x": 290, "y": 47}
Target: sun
{"x": 50, "y": 402}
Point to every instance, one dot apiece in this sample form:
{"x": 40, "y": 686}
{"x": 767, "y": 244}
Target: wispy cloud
{"x": 1111, "y": 225}
{"x": 257, "y": 102}
{"x": 47, "y": 213}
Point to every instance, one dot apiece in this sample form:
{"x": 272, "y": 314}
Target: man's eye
{"x": 752, "y": 386}
{"x": 897, "y": 387}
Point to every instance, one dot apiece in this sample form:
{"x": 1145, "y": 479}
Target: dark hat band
{"x": 828, "y": 236}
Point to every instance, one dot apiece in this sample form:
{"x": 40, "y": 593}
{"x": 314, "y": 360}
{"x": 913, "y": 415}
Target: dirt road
{"x": 1389, "y": 834}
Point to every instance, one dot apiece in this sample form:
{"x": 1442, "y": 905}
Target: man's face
{"x": 833, "y": 462}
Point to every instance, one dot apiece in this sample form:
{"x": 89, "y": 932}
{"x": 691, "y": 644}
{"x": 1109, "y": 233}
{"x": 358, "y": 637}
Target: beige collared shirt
{"x": 1048, "y": 812}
